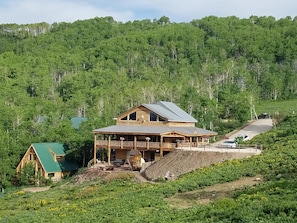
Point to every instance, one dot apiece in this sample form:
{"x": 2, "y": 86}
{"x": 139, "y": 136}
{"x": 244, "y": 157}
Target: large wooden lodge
{"x": 153, "y": 129}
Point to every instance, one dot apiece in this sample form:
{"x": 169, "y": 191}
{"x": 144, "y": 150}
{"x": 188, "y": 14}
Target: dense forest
{"x": 214, "y": 68}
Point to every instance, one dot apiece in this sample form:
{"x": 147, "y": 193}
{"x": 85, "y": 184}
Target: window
{"x": 50, "y": 175}
{"x": 125, "y": 118}
{"x": 60, "y": 158}
{"x": 132, "y": 116}
{"x": 161, "y": 119}
{"x": 153, "y": 117}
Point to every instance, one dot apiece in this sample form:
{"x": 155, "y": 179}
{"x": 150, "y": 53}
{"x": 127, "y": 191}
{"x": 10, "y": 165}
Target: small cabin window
{"x": 51, "y": 175}
{"x": 60, "y": 158}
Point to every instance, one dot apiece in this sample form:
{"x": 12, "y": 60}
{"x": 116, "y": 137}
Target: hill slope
{"x": 181, "y": 161}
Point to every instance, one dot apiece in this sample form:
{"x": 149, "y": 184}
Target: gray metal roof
{"x": 193, "y": 130}
{"x": 176, "y": 110}
{"x": 133, "y": 129}
{"x": 152, "y": 130}
{"x": 170, "y": 111}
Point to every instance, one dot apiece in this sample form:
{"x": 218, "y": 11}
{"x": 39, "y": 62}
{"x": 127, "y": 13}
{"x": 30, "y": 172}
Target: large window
{"x": 132, "y": 116}
{"x": 153, "y": 117}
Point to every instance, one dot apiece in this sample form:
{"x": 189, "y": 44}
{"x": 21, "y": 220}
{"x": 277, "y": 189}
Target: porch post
{"x": 135, "y": 140}
{"x": 190, "y": 142}
{"x": 161, "y": 147}
{"x": 95, "y": 148}
{"x": 108, "y": 152}
{"x": 147, "y": 143}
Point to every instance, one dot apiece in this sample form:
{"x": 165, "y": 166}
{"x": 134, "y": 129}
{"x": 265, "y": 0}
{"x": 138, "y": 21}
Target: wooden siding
{"x": 181, "y": 124}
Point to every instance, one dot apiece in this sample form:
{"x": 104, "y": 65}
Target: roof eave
{"x": 183, "y": 121}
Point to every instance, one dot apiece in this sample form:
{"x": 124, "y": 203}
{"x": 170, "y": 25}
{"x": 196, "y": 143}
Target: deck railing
{"x": 130, "y": 144}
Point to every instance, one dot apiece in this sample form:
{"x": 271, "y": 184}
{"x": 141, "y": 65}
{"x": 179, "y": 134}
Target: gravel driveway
{"x": 254, "y": 128}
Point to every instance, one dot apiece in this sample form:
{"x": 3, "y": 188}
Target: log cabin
{"x": 153, "y": 129}
{"x": 49, "y": 161}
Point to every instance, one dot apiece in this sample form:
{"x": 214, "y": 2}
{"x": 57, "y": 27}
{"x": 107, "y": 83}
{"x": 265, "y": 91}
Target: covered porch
{"x": 152, "y": 146}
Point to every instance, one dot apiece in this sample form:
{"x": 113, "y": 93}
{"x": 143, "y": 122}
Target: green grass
{"x": 284, "y": 108}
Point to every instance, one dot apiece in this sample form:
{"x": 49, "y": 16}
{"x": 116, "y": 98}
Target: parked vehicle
{"x": 263, "y": 115}
{"x": 230, "y": 143}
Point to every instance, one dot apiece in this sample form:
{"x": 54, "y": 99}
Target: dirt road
{"x": 252, "y": 129}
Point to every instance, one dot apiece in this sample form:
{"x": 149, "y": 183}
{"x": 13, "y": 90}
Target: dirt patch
{"x": 89, "y": 175}
{"x": 211, "y": 193}
{"x": 35, "y": 189}
{"x": 122, "y": 172}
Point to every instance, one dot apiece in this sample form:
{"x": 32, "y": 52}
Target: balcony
{"x": 140, "y": 145}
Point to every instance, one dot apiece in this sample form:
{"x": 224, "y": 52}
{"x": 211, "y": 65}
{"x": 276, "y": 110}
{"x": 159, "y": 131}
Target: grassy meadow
{"x": 287, "y": 107}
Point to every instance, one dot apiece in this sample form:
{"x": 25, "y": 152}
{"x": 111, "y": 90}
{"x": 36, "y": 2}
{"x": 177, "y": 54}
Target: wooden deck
{"x": 115, "y": 144}
{"x": 141, "y": 145}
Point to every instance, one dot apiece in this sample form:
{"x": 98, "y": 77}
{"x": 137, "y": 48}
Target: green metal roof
{"x": 44, "y": 152}
{"x": 76, "y": 121}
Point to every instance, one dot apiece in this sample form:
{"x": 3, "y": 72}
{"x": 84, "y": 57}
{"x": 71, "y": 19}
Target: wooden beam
{"x": 108, "y": 151}
{"x": 135, "y": 141}
{"x": 161, "y": 147}
{"x": 95, "y": 149}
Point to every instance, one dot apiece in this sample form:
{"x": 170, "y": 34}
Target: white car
{"x": 230, "y": 144}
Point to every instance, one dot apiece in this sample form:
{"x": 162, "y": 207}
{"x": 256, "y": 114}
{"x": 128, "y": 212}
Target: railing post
{"x": 147, "y": 142}
{"x": 122, "y": 142}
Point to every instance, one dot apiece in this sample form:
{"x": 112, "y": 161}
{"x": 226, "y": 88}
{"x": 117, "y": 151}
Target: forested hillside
{"x": 214, "y": 68}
